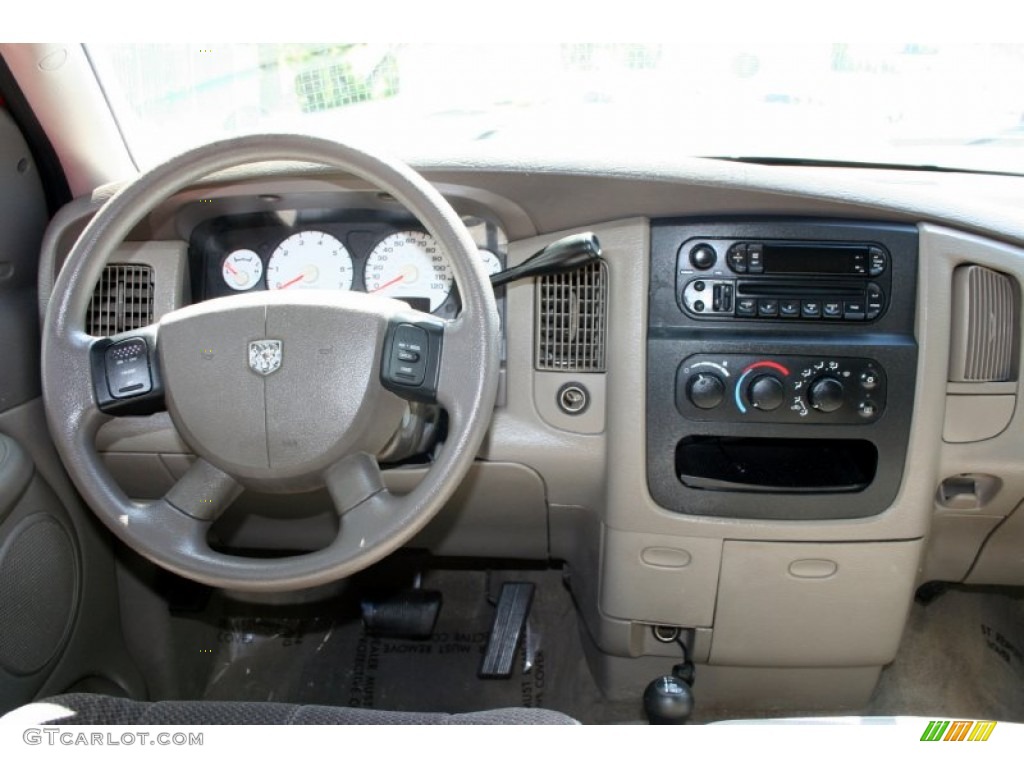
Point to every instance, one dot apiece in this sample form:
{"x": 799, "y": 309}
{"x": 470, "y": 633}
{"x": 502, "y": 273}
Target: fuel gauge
{"x": 242, "y": 269}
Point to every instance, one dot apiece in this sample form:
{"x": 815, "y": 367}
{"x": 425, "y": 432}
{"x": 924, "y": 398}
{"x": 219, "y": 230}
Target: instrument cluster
{"x": 343, "y": 250}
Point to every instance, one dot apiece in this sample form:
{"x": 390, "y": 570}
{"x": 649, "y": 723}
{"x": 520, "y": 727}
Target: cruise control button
{"x": 832, "y": 309}
{"x": 407, "y": 356}
{"x": 789, "y": 308}
{"x": 767, "y": 308}
{"x": 810, "y": 309}
{"x": 746, "y": 308}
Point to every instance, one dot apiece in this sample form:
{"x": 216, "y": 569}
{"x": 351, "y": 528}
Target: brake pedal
{"x": 509, "y": 621}
{"x": 410, "y": 614}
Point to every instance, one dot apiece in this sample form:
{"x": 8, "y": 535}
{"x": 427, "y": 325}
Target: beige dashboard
{"x": 795, "y": 605}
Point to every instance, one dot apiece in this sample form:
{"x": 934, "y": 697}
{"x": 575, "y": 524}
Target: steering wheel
{"x": 277, "y": 391}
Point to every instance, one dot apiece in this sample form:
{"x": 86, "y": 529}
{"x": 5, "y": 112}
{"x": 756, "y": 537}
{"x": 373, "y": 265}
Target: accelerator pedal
{"x": 509, "y": 621}
{"x": 410, "y": 614}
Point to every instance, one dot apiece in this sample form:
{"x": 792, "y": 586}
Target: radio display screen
{"x": 816, "y": 258}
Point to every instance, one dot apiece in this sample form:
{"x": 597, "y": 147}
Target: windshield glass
{"x": 953, "y": 106}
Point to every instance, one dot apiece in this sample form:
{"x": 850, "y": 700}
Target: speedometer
{"x": 310, "y": 259}
{"x": 410, "y": 265}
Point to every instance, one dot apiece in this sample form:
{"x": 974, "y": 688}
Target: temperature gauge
{"x": 242, "y": 269}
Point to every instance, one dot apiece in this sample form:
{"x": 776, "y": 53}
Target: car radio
{"x": 782, "y": 280}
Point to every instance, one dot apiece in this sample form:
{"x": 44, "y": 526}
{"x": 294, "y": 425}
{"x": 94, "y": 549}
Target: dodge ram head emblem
{"x": 265, "y": 356}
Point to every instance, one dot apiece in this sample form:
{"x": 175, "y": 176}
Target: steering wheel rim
{"x": 374, "y": 523}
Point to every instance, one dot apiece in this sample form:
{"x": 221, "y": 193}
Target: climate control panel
{"x": 783, "y": 389}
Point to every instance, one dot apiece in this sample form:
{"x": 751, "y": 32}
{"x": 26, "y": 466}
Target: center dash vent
{"x": 122, "y": 300}
{"x": 572, "y": 320}
{"x": 984, "y": 339}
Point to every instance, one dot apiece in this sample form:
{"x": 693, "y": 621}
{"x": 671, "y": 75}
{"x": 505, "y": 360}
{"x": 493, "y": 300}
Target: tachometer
{"x": 410, "y": 265}
{"x": 310, "y": 259}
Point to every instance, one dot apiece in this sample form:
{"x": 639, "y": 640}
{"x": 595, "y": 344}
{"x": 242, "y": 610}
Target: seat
{"x": 96, "y": 709}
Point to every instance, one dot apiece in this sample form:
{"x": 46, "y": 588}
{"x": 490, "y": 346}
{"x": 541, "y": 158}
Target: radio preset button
{"x": 767, "y": 308}
{"x": 736, "y": 257}
{"x": 746, "y": 308}
{"x": 853, "y": 310}
{"x": 755, "y": 258}
{"x": 810, "y": 309}
{"x": 789, "y": 308}
{"x": 833, "y": 310}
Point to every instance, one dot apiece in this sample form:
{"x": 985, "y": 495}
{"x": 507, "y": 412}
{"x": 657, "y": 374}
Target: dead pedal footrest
{"x": 509, "y": 620}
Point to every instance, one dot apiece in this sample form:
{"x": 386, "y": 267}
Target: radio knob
{"x": 826, "y": 394}
{"x": 705, "y": 390}
{"x": 766, "y": 393}
{"x": 703, "y": 256}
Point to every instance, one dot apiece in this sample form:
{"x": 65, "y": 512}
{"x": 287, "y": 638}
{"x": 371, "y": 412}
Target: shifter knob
{"x": 668, "y": 700}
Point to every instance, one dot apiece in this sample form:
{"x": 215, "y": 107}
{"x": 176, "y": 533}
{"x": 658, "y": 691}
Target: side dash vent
{"x": 122, "y": 300}
{"x": 984, "y": 339}
{"x": 572, "y": 320}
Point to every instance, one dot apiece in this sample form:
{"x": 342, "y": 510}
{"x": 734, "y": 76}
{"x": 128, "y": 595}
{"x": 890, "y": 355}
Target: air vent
{"x": 984, "y": 339}
{"x": 572, "y": 320}
{"x": 122, "y": 301}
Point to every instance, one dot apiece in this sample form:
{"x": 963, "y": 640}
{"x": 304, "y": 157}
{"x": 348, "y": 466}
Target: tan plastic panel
{"x": 546, "y": 388}
{"x": 954, "y": 543}
{"x": 1001, "y": 561}
{"x": 140, "y": 475}
{"x": 660, "y": 579}
{"x": 779, "y": 605}
{"x": 972, "y": 418}
{"x": 734, "y": 690}
{"x": 498, "y": 511}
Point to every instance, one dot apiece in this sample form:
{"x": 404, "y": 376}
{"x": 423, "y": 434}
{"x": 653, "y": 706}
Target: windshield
{"x": 952, "y": 106}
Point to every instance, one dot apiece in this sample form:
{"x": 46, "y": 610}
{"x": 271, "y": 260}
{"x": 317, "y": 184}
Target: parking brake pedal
{"x": 509, "y": 621}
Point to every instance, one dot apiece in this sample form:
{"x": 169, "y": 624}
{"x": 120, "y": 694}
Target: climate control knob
{"x": 705, "y": 390}
{"x": 826, "y": 394}
{"x": 766, "y": 393}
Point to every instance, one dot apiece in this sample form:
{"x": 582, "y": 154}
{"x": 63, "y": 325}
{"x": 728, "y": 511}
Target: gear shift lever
{"x": 668, "y": 700}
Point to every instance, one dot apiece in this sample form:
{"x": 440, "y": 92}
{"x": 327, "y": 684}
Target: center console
{"x": 781, "y": 363}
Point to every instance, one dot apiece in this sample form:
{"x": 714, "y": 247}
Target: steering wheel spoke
{"x": 125, "y": 372}
{"x": 203, "y": 492}
{"x": 354, "y": 480}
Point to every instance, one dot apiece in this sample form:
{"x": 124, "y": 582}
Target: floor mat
{"x": 320, "y": 654}
{"x": 962, "y": 655}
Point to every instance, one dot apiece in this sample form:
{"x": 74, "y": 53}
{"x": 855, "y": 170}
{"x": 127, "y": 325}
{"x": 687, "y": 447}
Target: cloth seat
{"x": 95, "y": 709}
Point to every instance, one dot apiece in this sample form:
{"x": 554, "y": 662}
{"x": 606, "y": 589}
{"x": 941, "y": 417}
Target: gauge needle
{"x": 292, "y": 282}
{"x": 229, "y": 268}
{"x": 389, "y": 283}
